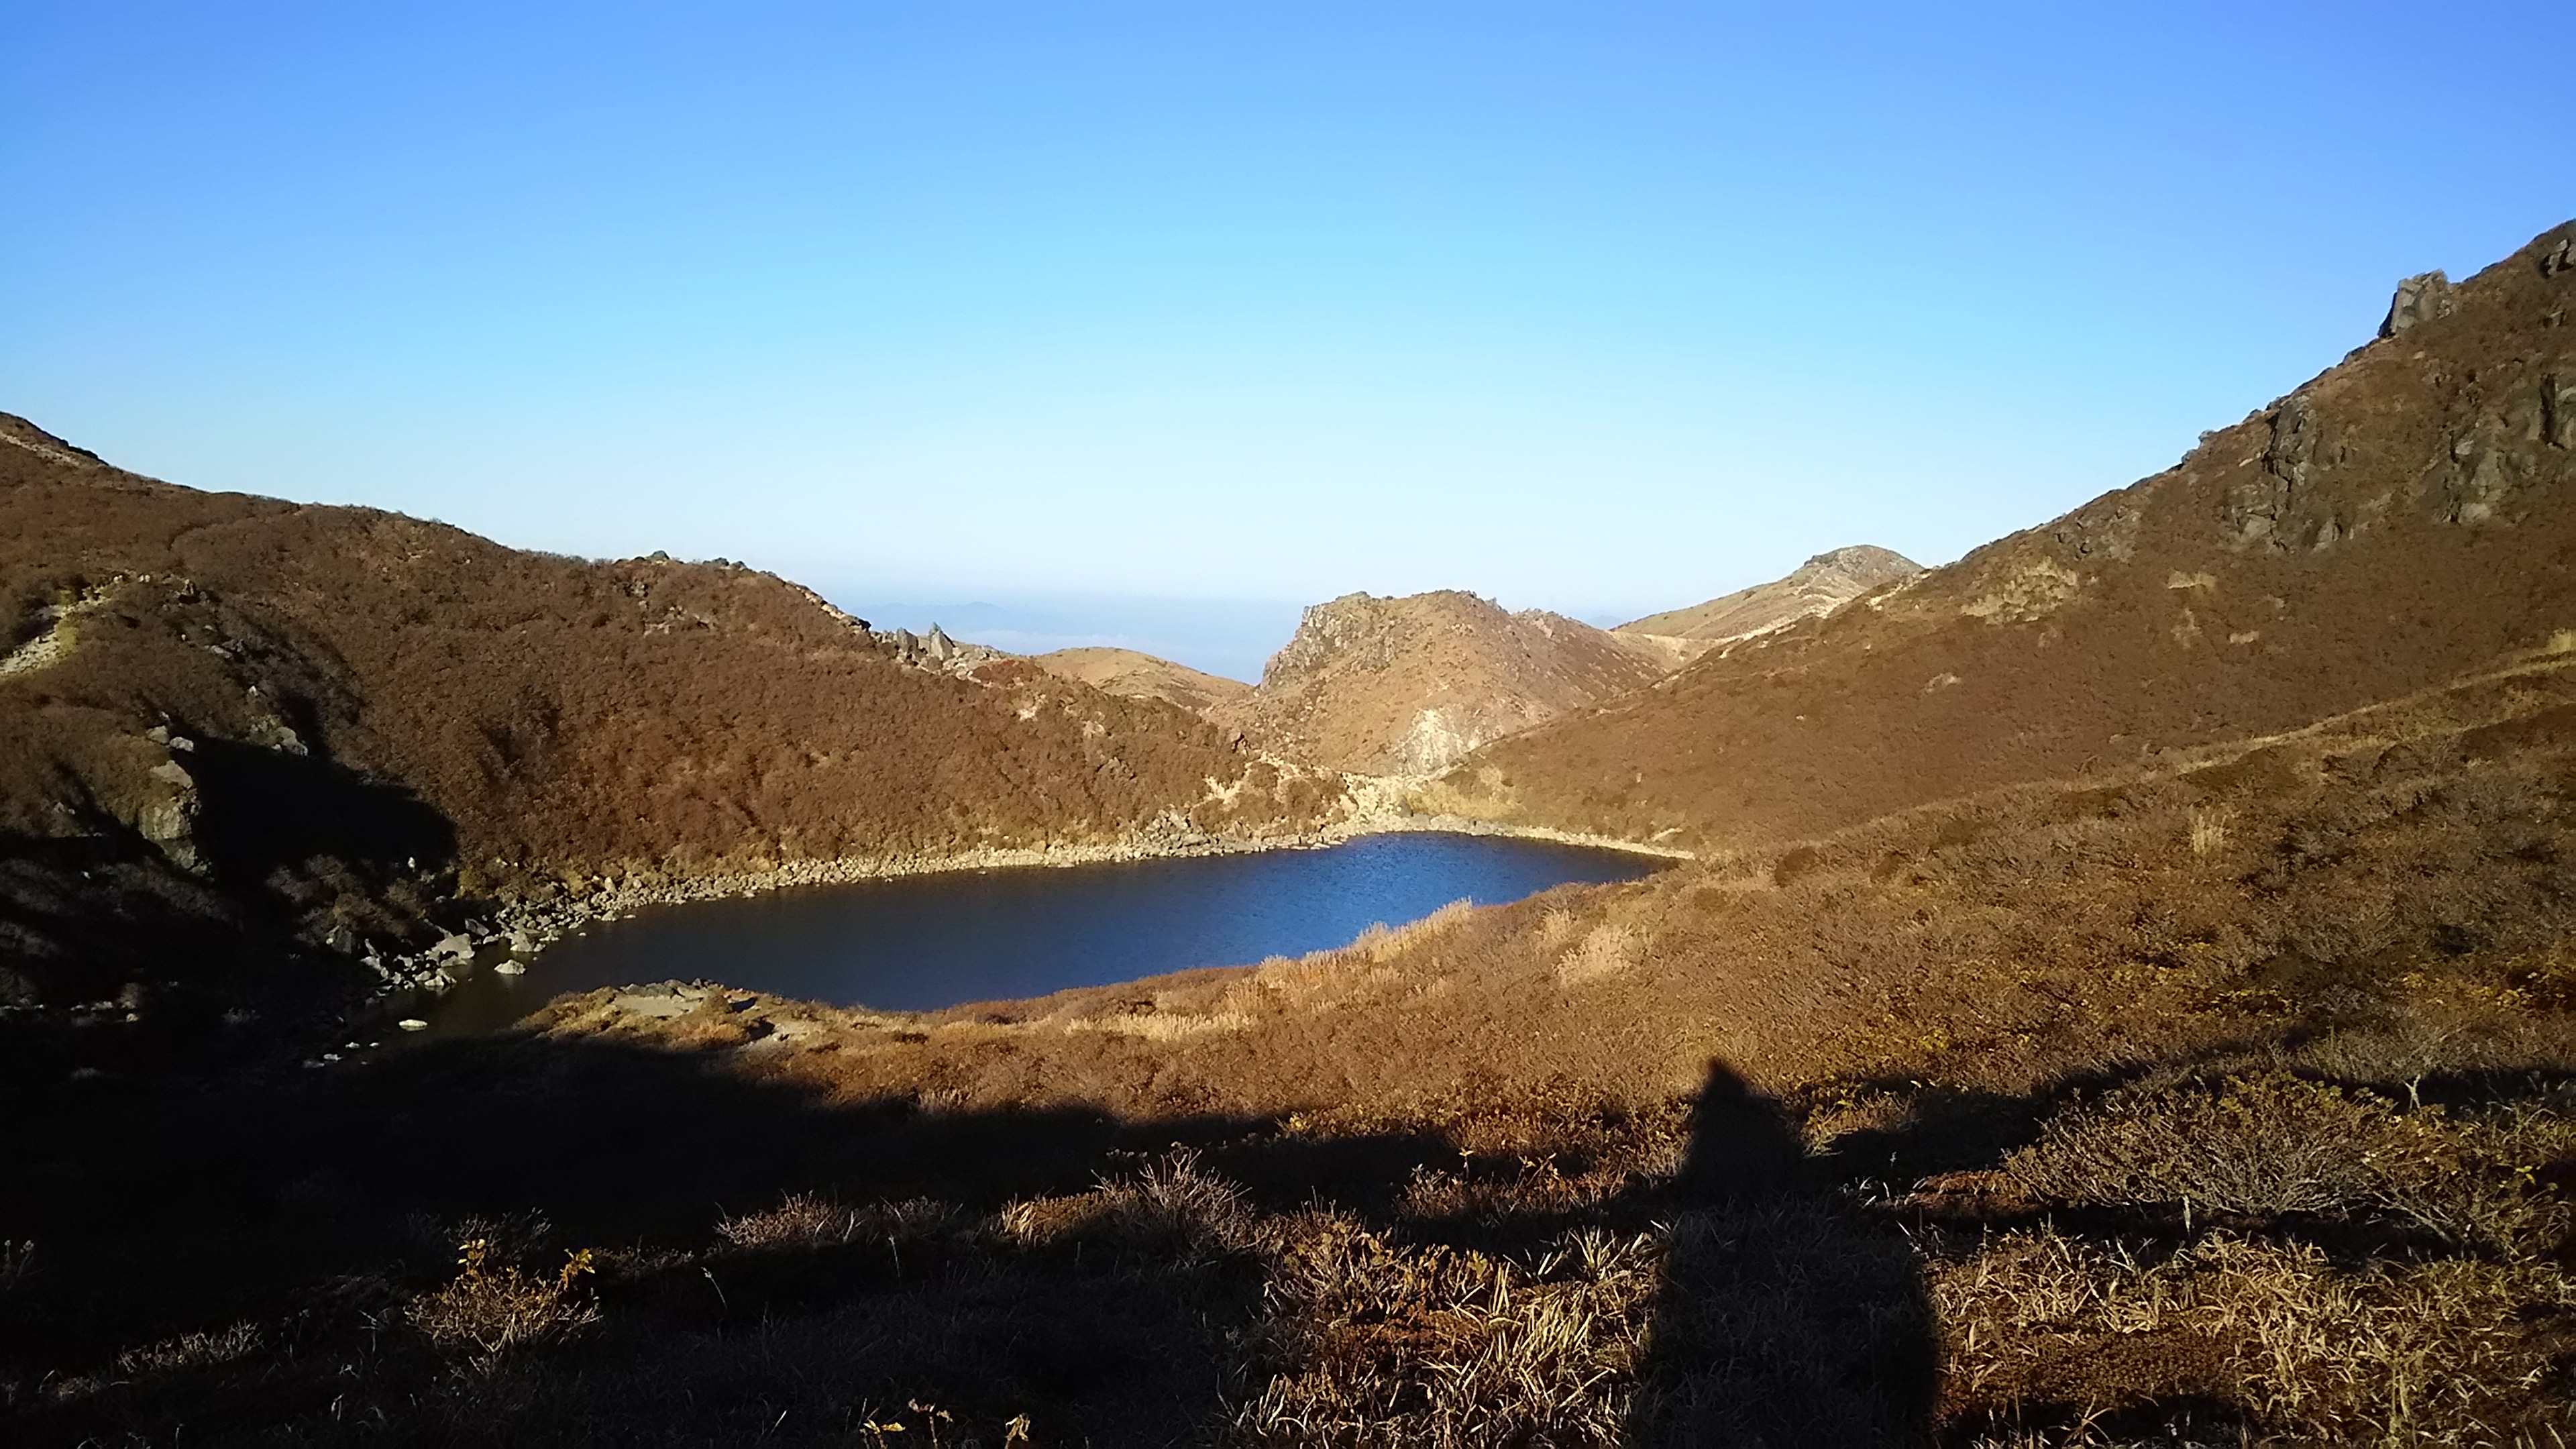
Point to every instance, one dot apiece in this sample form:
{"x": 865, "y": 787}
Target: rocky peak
{"x": 1406, "y": 685}
{"x": 1818, "y": 586}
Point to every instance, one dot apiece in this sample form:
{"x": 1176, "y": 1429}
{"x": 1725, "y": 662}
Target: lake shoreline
{"x": 525, "y": 929}
{"x": 528, "y": 933}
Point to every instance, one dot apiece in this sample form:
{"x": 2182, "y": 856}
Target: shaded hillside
{"x": 247, "y": 708}
{"x": 1403, "y": 686}
{"x": 1132, "y": 675}
{"x": 2393, "y": 522}
{"x": 1818, "y": 586}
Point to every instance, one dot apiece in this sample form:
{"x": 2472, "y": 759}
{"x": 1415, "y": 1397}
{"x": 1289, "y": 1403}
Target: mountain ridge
{"x": 330, "y": 720}
{"x": 2218, "y": 597}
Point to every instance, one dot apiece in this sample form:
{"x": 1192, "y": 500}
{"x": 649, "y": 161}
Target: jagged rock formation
{"x": 242, "y": 716}
{"x": 2419, "y": 299}
{"x": 1818, "y": 586}
{"x": 1406, "y": 685}
{"x": 1134, "y": 675}
{"x": 2404, "y": 517}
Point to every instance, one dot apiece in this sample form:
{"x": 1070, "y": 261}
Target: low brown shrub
{"x": 2395, "y": 1353}
{"x": 497, "y": 1310}
{"x": 2262, "y": 1146}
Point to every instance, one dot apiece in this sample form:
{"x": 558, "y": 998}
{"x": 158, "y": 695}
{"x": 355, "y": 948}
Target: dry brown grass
{"x": 1608, "y": 949}
{"x": 1385, "y": 1344}
{"x": 493, "y": 1309}
{"x": 2307, "y": 1350}
{"x": 2264, "y": 1147}
{"x": 807, "y": 1221}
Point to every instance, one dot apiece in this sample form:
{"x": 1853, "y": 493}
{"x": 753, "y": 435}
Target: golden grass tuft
{"x": 1385, "y": 1343}
{"x": 805, "y": 1221}
{"x": 497, "y": 1309}
{"x": 2209, "y": 830}
{"x": 2395, "y": 1353}
{"x": 1610, "y": 949}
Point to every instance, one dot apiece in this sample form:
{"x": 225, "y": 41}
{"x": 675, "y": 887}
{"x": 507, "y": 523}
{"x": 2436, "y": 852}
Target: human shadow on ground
{"x": 1786, "y": 1317}
{"x": 248, "y": 1261}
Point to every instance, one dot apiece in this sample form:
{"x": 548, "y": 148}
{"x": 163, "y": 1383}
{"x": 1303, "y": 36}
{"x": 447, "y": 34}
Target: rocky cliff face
{"x": 241, "y": 716}
{"x": 1404, "y": 686}
{"x": 1819, "y": 586}
{"x": 2408, "y": 515}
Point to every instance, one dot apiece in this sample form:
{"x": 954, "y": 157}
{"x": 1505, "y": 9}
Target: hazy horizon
{"x": 1229, "y": 637}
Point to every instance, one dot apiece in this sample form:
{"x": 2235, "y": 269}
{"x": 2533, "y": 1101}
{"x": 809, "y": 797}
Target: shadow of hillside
{"x": 1786, "y": 1318}
{"x": 265, "y": 810}
{"x": 281, "y": 844}
{"x": 312, "y": 1205}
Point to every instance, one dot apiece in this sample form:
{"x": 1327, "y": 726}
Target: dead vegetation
{"x": 493, "y": 1309}
{"x": 242, "y": 727}
{"x": 2082, "y": 1127}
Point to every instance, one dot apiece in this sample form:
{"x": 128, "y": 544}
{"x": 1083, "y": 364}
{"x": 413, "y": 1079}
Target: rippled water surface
{"x": 923, "y": 942}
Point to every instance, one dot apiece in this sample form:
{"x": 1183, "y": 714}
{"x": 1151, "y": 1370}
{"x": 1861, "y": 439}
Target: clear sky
{"x": 1597, "y": 307}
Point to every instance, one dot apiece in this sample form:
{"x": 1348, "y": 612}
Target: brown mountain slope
{"x": 2399, "y": 519}
{"x": 1404, "y": 686}
{"x": 1131, "y": 675}
{"x": 1818, "y": 586}
{"x": 260, "y": 709}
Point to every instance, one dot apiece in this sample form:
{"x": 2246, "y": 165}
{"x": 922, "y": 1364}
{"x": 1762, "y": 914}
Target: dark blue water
{"x": 923, "y": 942}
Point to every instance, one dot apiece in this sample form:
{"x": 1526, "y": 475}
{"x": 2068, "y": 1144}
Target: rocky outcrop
{"x": 2418, "y": 300}
{"x": 1405, "y": 685}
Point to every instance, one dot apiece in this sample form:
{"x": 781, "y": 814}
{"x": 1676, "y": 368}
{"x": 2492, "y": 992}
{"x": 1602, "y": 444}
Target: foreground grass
{"x": 2258, "y": 1251}
{"x": 2228, "y": 1103}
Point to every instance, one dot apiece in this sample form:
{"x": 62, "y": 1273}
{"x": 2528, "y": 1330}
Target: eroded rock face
{"x": 1408, "y": 685}
{"x": 2418, "y": 300}
{"x": 167, "y": 815}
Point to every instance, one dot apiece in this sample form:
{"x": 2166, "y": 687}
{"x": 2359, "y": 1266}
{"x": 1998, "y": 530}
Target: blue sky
{"x": 1602, "y": 308}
